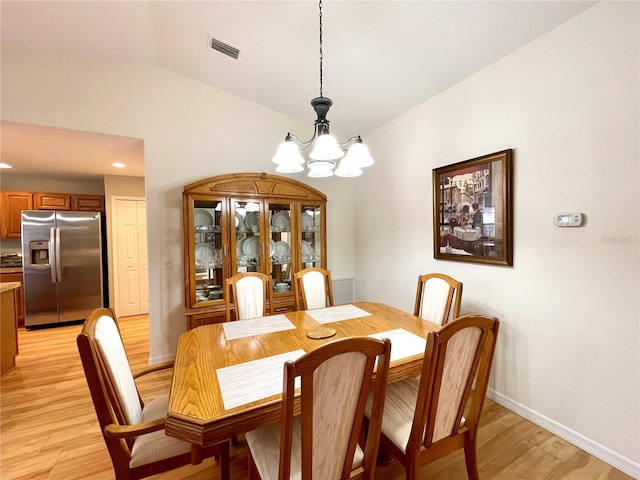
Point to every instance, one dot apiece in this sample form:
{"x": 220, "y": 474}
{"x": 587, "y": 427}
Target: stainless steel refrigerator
{"x": 62, "y": 265}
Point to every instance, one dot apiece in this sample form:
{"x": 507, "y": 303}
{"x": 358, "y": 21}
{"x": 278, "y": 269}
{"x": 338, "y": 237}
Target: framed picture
{"x": 473, "y": 210}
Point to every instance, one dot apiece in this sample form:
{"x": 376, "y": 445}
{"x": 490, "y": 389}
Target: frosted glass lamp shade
{"x": 347, "y": 168}
{"x": 316, "y": 171}
{"x": 288, "y": 154}
{"x": 326, "y": 148}
{"x": 358, "y": 155}
{"x": 289, "y": 168}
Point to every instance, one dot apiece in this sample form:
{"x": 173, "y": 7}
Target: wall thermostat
{"x": 569, "y": 219}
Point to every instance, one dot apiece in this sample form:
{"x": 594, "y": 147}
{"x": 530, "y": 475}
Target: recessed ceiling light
{"x": 118, "y": 165}
{"x": 5, "y": 165}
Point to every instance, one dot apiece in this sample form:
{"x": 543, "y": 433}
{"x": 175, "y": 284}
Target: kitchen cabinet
{"x": 13, "y": 203}
{"x": 10, "y": 212}
{"x": 89, "y": 203}
{"x": 52, "y": 201}
{"x": 8, "y": 328}
{"x": 69, "y": 201}
{"x": 248, "y": 222}
{"x": 17, "y": 292}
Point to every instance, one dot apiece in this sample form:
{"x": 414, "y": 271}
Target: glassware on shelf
{"x": 247, "y": 261}
{"x": 207, "y": 256}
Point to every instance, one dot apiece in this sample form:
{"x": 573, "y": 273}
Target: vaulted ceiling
{"x": 381, "y": 58}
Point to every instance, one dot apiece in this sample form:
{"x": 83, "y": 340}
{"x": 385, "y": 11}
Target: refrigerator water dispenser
{"x": 39, "y": 253}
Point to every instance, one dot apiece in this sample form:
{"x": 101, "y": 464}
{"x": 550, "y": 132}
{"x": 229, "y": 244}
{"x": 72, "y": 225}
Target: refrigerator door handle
{"x": 58, "y": 256}
{"x": 52, "y": 254}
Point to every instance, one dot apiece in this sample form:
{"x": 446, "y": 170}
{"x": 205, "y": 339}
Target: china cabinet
{"x": 248, "y": 222}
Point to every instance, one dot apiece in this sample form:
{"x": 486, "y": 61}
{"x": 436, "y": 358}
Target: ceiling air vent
{"x": 222, "y": 47}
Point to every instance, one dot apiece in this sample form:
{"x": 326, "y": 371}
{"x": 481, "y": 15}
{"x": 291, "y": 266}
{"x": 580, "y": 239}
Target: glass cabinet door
{"x": 208, "y": 249}
{"x": 247, "y": 234}
{"x": 280, "y": 246}
{"x": 311, "y": 246}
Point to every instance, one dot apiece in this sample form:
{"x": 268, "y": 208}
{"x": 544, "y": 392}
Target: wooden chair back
{"x": 250, "y": 293}
{"x": 335, "y": 381}
{"x": 120, "y": 408}
{"x": 438, "y": 298}
{"x": 116, "y": 400}
{"x": 456, "y": 356}
{"x": 312, "y": 289}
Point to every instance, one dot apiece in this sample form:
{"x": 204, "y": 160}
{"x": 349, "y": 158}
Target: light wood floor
{"x": 48, "y": 427}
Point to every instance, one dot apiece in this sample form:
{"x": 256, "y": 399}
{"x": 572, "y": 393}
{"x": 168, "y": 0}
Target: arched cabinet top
{"x": 256, "y": 184}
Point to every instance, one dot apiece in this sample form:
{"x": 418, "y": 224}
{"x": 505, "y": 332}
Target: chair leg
{"x": 471, "y": 458}
{"x": 411, "y": 469}
{"x": 197, "y": 454}
{"x": 225, "y": 469}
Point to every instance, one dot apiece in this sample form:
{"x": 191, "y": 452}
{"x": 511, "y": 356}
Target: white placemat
{"x": 337, "y": 314}
{"x": 254, "y": 380}
{"x": 403, "y": 344}
{"x": 256, "y": 326}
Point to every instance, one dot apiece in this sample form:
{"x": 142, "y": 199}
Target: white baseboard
{"x": 599, "y": 451}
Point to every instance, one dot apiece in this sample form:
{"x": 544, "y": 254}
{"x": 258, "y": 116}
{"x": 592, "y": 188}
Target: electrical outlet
{"x": 168, "y": 264}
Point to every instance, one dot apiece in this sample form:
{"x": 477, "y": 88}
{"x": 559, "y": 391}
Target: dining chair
{"x": 423, "y": 416}
{"x": 132, "y": 430}
{"x": 436, "y": 294}
{"x": 250, "y": 293}
{"x": 322, "y": 442}
{"x": 312, "y": 289}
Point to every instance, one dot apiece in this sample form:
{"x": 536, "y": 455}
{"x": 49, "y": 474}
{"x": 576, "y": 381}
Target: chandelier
{"x": 326, "y": 151}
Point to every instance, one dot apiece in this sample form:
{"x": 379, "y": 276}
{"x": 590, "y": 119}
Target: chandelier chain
{"x": 325, "y": 150}
{"x": 320, "y": 15}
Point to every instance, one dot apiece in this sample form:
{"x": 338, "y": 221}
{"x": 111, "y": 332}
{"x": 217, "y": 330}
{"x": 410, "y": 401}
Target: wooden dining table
{"x": 219, "y": 390}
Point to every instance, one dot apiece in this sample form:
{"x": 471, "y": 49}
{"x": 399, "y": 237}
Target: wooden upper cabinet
{"x": 52, "y": 201}
{"x": 69, "y": 201}
{"x": 13, "y": 203}
{"x": 11, "y": 212}
{"x": 90, "y": 203}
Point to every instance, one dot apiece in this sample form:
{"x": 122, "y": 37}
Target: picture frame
{"x": 473, "y": 210}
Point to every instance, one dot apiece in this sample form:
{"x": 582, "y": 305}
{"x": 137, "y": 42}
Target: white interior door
{"x": 131, "y": 258}
{"x": 143, "y": 269}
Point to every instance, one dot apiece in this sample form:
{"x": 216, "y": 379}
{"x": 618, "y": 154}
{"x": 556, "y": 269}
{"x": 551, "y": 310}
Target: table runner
{"x": 256, "y": 326}
{"x": 337, "y": 314}
{"x": 254, "y": 380}
{"x": 403, "y": 343}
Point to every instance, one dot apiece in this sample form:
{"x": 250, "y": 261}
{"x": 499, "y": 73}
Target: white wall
{"x": 569, "y": 307}
{"x": 35, "y": 183}
{"x": 190, "y": 131}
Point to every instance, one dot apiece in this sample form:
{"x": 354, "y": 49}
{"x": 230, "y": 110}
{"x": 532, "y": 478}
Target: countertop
{"x": 6, "y": 286}
{"x": 10, "y": 269}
